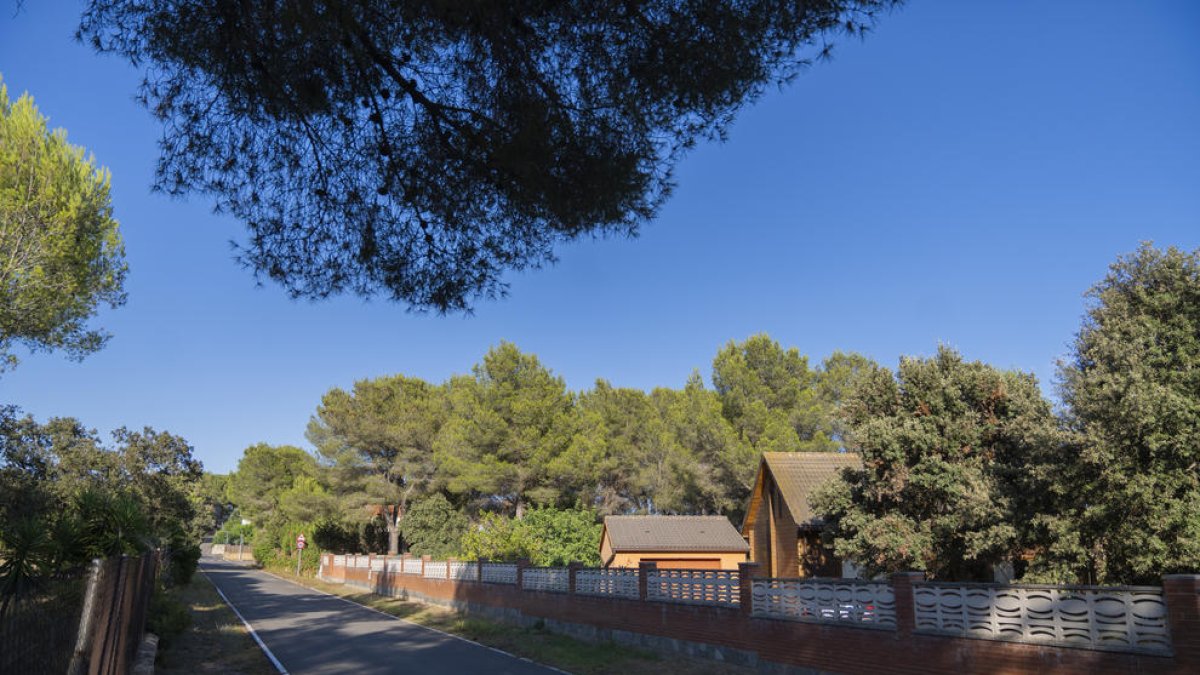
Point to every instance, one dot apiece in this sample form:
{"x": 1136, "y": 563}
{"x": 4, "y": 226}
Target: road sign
{"x": 301, "y": 542}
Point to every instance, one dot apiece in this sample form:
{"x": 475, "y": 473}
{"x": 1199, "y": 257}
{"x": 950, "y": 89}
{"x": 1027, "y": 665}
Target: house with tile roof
{"x": 672, "y": 542}
{"x": 783, "y": 532}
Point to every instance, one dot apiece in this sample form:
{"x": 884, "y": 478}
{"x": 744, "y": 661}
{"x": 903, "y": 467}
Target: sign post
{"x": 242, "y": 540}
{"x": 300, "y": 544}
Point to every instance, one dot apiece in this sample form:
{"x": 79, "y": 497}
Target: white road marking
{"x": 414, "y": 623}
{"x": 262, "y": 645}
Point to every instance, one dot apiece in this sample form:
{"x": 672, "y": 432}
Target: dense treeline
{"x": 510, "y": 437}
{"x": 966, "y": 466}
{"x": 66, "y": 498}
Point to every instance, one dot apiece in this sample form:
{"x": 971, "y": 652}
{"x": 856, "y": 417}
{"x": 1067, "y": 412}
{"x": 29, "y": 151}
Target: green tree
{"x": 1126, "y": 501}
{"x": 63, "y": 255}
{"x": 718, "y": 468}
{"x": 945, "y": 446}
{"x": 380, "y": 439}
{"x": 546, "y": 536}
{"x": 506, "y": 426}
{"x": 210, "y": 501}
{"x": 617, "y": 443}
{"x": 424, "y": 149}
{"x": 434, "y": 527}
{"x": 159, "y": 467}
{"x": 836, "y": 378}
{"x": 264, "y": 474}
{"x": 65, "y": 498}
{"x": 769, "y": 394}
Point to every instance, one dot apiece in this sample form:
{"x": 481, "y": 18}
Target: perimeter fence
{"x": 89, "y": 621}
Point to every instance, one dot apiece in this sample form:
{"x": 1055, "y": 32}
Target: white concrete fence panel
{"x": 1131, "y": 618}
{"x": 863, "y": 603}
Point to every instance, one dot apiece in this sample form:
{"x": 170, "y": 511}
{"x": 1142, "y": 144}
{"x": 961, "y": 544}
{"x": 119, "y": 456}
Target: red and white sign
{"x": 301, "y": 542}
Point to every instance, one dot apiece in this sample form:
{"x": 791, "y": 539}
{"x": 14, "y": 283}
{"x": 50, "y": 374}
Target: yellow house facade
{"x": 781, "y": 527}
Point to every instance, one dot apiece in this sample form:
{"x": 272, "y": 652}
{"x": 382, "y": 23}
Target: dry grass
{"x": 536, "y": 644}
{"x": 216, "y": 642}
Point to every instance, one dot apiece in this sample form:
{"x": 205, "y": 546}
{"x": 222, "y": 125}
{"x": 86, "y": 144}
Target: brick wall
{"x": 733, "y": 634}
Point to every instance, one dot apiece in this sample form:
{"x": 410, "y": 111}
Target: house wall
{"x": 786, "y": 555}
{"x": 605, "y": 548}
{"x": 680, "y": 559}
{"x": 772, "y": 533}
{"x": 759, "y": 536}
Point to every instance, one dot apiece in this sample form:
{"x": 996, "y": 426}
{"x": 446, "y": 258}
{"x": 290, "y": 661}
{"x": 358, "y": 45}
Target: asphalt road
{"x": 311, "y": 632}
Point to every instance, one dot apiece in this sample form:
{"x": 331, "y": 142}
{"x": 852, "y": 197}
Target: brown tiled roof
{"x": 800, "y": 474}
{"x": 673, "y": 533}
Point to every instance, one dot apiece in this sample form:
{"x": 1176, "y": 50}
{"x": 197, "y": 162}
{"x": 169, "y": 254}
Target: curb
{"x": 143, "y": 663}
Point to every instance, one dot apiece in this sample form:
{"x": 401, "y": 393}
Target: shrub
{"x": 335, "y": 536}
{"x": 433, "y": 527}
{"x": 546, "y": 536}
{"x": 182, "y": 563}
{"x": 265, "y": 552}
{"x": 167, "y": 617}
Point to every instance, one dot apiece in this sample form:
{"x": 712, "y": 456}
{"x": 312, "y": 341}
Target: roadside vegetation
{"x": 66, "y": 498}
{"x": 214, "y": 641}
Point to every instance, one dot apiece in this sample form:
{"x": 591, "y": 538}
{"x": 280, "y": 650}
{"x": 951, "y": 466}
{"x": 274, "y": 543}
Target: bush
{"x": 265, "y": 552}
{"x": 546, "y": 536}
{"x": 182, "y": 563}
{"x": 335, "y": 536}
{"x": 167, "y": 617}
{"x": 433, "y": 527}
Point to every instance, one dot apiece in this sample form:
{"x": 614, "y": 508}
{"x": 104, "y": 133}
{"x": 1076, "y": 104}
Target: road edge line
{"x": 414, "y": 623}
{"x": 261, "y": 645}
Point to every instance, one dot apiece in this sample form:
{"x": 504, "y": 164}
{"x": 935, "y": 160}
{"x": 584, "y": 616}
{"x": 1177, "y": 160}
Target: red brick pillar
{"x": 747, "y": 573}
{"x": 479, "y": 569}
{"x": 644, "y": 569}
{"x": 1182, "y": 595}
{"x": 572, "y": 569}
{"x": 425, "y": 559}
{"x": 370, "y": 567}
{"x": 906, "y": 605}
{"x": 521, "y": 565}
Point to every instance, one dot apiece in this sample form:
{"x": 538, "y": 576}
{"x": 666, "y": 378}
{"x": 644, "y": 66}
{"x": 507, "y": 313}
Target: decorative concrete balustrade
{"x": 1131, "y": 618}
{"x": 463, "y": 570}
{"x": 705, "y": 587}
{"x": 498, "y": 573}
{"x": 869, "y": 604}
{"x": 549, "y": 579}
{"x": 613, "y": 582}
{"x": 436, "y": 570}
{"x": 1159, "y": 624}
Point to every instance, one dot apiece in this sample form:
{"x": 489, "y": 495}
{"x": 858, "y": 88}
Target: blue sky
{"x": 960, "y": 177}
